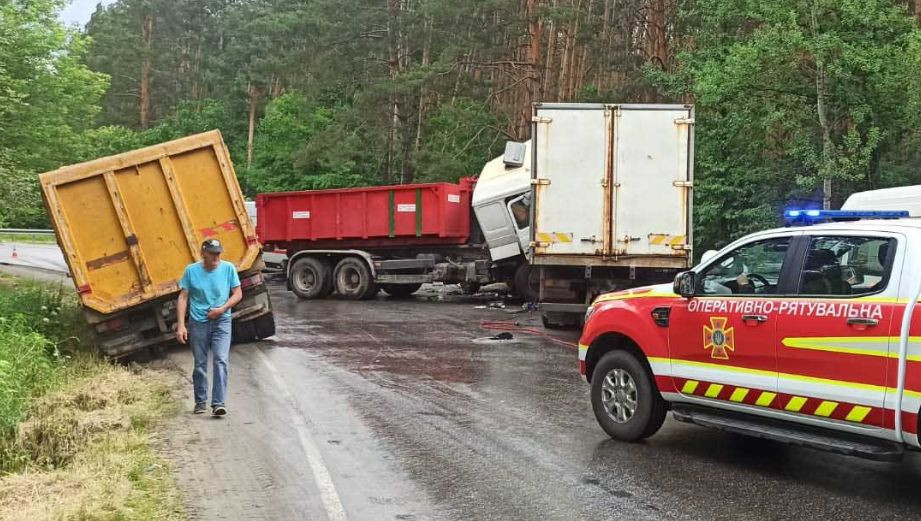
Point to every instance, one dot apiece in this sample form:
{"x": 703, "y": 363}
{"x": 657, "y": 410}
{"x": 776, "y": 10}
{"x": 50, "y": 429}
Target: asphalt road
{"x": 46, "y": 257}
{"x": 399, "y": 410}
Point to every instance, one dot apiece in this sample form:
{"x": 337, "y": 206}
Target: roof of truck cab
{"x": 497, "y": 181}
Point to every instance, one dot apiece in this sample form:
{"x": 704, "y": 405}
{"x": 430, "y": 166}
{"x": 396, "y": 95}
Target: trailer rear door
{"x": 570, "y": 163}
{"x": 612, "y": 181}
{"x": 652, "y": 175}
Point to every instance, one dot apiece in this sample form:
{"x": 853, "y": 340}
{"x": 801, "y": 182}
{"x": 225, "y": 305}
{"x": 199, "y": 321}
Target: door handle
{"x": 862, "y": 323}
{"x": 754, "y": 318}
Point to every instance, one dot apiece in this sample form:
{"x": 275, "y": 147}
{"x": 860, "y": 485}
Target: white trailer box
{"x": 612, "y": 185}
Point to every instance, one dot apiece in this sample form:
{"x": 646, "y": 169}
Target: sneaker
{"x": 200, "y": 408}
{"x": 218, "y": 410}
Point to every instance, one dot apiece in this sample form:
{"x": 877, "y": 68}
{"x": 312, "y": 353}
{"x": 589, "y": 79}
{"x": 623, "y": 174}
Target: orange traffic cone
{"x": 15, "y": 255}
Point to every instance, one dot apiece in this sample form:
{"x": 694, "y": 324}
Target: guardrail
{"x": 27, "y": 231}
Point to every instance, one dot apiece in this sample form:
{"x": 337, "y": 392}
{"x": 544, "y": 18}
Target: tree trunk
{"x": 657, "y": 41}
{"x": 532, "y": 88}
{"x": 393, "y": 63}
{"x": 550, "y": 51}
{"x": 253, "y": 101}
{"x": 828, "y": 147}
{"x": 147, "y": 30}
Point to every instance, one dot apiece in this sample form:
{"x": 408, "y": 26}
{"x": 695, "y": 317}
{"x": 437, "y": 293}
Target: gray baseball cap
{"x": 212, "y": 246}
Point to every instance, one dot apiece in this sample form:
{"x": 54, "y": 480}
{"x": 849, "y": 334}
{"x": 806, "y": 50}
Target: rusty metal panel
{"x": 129, "y": 224}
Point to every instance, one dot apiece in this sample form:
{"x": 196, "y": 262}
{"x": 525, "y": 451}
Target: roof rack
{"x": 808, "y": 217}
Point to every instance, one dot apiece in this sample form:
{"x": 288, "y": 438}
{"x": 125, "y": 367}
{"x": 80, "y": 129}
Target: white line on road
{"x": 328, "y": 494}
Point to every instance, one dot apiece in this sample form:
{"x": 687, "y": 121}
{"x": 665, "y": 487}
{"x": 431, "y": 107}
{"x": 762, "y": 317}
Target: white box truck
{"x": 608, "y": 188}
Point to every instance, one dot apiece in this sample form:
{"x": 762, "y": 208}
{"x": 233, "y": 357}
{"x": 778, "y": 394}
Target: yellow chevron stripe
{"x": 544, "y": 237}
{"x": 765, "y": 399}
{"x": 857, "y": 414}
{"x": 739, "y": 394}
{"x": 713, "y": 390}
{"x": 689, "y": 387}
{"x": 826, "y": 408}
{"x": 657, "y": 239}
{"x": 795, "y": 404}
{"x": 676, "y": 240}
{"x": 563, "y": 237}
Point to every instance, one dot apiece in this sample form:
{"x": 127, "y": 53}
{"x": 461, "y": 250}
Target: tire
{"x": 353, "y": 280}
{"x": 401, "y": 290}
{"x": 549, "y": 324}
{"x": 649, "y": 407}
{"x": 242, "y": 332}
{"x": 310, "y": 278}
{"x": 265, "y": 325}
{"x": 526, "y": 282}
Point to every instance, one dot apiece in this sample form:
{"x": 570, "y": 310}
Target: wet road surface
{"x": 394, "y": 410}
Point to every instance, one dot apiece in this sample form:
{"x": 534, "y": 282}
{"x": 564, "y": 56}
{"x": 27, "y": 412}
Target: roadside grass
{"x": 37, "y": 238}
{"x": 76, "y": 432}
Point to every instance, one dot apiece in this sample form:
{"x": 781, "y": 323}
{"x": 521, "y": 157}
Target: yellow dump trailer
{"x": 129, "y": 224}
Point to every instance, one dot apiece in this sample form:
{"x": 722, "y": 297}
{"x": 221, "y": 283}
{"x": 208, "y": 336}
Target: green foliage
{"x": 39, "y": 324}
{"x": 27, "y": 367}
{"x": 460, "y": 137}
{"x": 789, "y": 94}
{"x": 294, "y": 152}
{"x": 47, "y": 98}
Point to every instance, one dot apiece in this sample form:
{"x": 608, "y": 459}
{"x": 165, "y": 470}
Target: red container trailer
{"x": 376, "y": 216}
{"x": 356, "y": 241}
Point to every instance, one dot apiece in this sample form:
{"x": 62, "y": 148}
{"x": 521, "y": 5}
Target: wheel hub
{"x": 618, "y": 395}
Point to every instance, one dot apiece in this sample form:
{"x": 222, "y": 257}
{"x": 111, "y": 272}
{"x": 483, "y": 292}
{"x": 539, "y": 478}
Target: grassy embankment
{"x": 37, "y": 238}
{"x": 76, "y": 432}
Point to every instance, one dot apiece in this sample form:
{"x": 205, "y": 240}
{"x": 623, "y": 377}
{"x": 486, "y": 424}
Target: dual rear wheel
{"x": 316, "y": 277}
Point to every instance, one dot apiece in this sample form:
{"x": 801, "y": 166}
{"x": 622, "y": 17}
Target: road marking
{"x": 328, "y": 494}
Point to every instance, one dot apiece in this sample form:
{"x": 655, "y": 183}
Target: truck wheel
{"x": 242, "y": 332}
{"x": 400, "y": 290}
{"x": 265, "y": 325}
{"x": 526, "y": 282}
{"x": 626, "y": 402}
{"x": 310, "y": 278}
{"x": 353, "y": 279}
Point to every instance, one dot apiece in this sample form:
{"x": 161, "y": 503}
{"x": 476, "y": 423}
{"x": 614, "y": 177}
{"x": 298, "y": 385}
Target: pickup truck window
{"x": 846, "y": 265}
{"x": 753, "y": 268}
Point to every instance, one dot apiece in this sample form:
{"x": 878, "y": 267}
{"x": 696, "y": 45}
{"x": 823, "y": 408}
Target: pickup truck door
{"x": 834, "y": 337}
{"x": 722, "y": 340}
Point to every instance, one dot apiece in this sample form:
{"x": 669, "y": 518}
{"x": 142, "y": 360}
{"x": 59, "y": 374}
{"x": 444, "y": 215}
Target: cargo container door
{"x": 570, "y": 143}
{"x": 652, "y": 179}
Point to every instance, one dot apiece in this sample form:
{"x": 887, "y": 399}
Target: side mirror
{"x": 685, "y": 283}
{"x": 709, "y": 254}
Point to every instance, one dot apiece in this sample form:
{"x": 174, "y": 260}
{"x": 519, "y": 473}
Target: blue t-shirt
{"x": 208, "y": 289}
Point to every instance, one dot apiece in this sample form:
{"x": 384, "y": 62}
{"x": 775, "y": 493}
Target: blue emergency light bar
{"x": 806, "y": 217}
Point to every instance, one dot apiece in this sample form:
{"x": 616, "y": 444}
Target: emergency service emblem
{"x": 719, "y": 339}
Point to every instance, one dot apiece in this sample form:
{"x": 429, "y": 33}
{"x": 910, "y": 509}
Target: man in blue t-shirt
{"x": 212, "y": 287}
